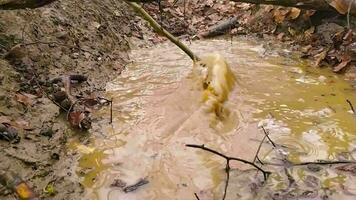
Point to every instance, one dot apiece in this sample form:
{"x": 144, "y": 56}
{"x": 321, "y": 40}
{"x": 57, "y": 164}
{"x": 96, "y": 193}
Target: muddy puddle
{"x": 157, "y": 110}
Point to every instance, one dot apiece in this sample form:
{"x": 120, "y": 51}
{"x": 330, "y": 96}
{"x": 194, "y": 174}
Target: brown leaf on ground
{"x": 320, "y": 57}
{"x": 5, "y": 120}
{"x": 294, "y": 13}
{"x": 25, "y": 98}
{"x": 348, "y": 36}
{"x": 75, "y": 118}
{"x": 309, "y": 31}
{"x": 22, "y": 124}
{"x": 340, "y": 5}
{"x": 279, "y": 15}
{"x": 345, "y": 60}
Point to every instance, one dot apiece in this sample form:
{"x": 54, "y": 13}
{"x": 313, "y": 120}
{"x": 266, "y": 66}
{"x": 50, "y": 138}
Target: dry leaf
{"x": 346, "y": 59}
{"x": 75, "y": 118}
{"x": 306, "y": 16}
{"x": 291, "y": 31}
{"x": 22, "y": 124}
{"x": 294, "y": 13}
{"x": 280, "y": 36}
{"x": 25, "y": 98}
{"x": 340, "y": 5}
{"x": 5, "y": 120}
{"x": 24, "y": 191}
{"x": 320, "y": 57}
{"x": 309, "y": 31}
{"x": 279, "y": 15}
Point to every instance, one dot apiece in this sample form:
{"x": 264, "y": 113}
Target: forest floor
{"x": 56, "y": 60}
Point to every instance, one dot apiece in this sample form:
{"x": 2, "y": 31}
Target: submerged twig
{"x": 135, "y": 186}
{"x": 159, "y": 29}
{"x": 228, "y": 159}
{"x": 351, "y": 106}
{"x": 111, "y": 110}
{"x": 266, "y": 134}
{"x": 196, "y": 196}
{"x": 258, "y": 151}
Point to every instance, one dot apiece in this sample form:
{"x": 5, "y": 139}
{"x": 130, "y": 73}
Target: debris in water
{"x": 118, "y": 183}
{"x": 79, "y": 120}
{"x": 135, "y": 186}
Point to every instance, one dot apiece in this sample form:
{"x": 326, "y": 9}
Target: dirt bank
{"x": 37, "y": 46}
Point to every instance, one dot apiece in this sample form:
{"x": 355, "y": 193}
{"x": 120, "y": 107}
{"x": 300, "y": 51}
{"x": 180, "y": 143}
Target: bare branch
{"x": 266, "y": 134}
{"x": 265, "y": 173}
{"x": 22, "y": 4}
{"x": 159, "y": 29}
{"x": 351, "y": 106}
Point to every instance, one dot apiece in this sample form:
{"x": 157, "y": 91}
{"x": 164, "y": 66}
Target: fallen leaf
{"x": 340, "y": 5}
{"x": 291, "y": 31}
{"x": 25, "y": 98}
{"x": 320, "y": 57}
{"x": 294, "y": 13}
{"x": 306, "y": 16}
{"x": 23, "y": 124}
{"x": 346, "y": 59}
{"x": 75, "y": 118}
{"x": 280, "y": 36}
{"x": 279, "y": 15}
{"x": 24, "y": 191}
{"x": 309, "y": 31}
{"x": 5, "y": 120}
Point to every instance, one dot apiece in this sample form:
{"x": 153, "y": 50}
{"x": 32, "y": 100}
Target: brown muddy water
{"x": 157, "y": 110}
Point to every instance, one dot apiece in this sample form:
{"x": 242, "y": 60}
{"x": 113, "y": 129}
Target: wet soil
{"x": 37, "y": 46}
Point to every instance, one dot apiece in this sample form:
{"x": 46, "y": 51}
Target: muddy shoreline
{"x": 61, "y": 39}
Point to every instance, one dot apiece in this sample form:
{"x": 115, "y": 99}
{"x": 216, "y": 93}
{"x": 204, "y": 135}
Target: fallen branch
{"x": 196, "y": 196}
{"x": 351, "y": 106}
{"x": 266, "y": 134}
{"x": 228, "y": 168}
{"x": 220, "y": 28}
{"x": 159, "y": 29}
{"x": 111, "y": 110}
{"x": 22, "y": 4}
{"x": 258, "y": 151}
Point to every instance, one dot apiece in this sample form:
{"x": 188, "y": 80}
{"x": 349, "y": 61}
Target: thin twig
{"x": 348, "y": 14}
{"x": 228, "y": 159}
{"x": 265, "y": 173}
{"x": 351, "y": 106}
{"x": 266, "y": 134}
{"x": 196, "y": 196}
{"x": 325, "y": 162}
{"x": 227, "y": 170}
{"x": 161, "y": 30}
{"x": 258, "y": 150}
{"x": 111, "y": 110}
{"x": 70, "y": 108}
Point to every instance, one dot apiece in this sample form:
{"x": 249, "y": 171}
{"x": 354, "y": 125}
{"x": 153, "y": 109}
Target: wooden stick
{"x": 159, "y": 29}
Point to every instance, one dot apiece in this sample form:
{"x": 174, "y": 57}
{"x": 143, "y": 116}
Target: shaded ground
{"x": 64, "y": 38}
{"x": 92, "y": 39}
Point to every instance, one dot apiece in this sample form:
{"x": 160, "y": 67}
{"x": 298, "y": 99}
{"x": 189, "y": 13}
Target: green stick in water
{"x": 161, "y": 30}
